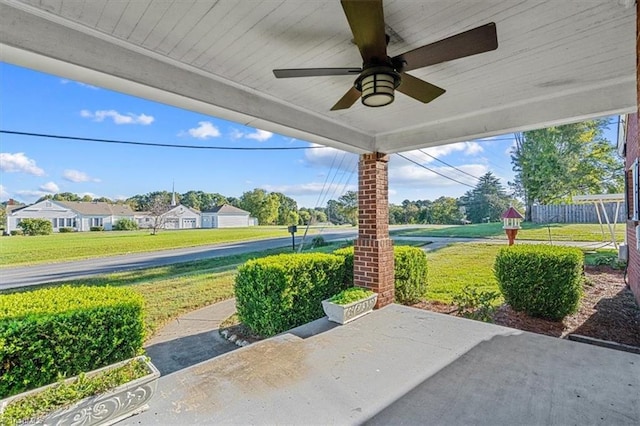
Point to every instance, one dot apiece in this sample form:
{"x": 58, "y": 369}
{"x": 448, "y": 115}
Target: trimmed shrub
{"x": 277, "y": 293}
{"x": 410, "y": 271}
{"x": 543, "y": 281}
{"x": 347, "y": 254}
{"x": 15, "y": 232}
{"x": 36, "y": 226}
{"x": 125, "y": 224}
{"x": 63, "y": 331}
{"x": 96, "y": 228}
{"x": 65, "y": 230}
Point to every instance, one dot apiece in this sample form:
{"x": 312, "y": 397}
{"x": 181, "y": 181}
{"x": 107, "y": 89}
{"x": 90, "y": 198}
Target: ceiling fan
{"x": 381, "y": 75}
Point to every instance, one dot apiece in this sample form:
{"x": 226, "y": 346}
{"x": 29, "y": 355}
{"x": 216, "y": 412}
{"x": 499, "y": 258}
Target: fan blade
{"x": 347, "y": 100}
{"x": 314, "y": 72}
{"x": 366, "y": 20}
{"x": 418, "y": 89}
{"x": 478, "y": 40}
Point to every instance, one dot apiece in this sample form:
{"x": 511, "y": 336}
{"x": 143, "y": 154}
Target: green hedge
{"x": 543, "y": 281}
{"x": 410, "y": 271}
{"x": 277, "y": 293}
{"x": 63, "y": 331}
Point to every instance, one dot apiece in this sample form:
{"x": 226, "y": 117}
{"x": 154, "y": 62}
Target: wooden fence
{"x": 576, "y": 213}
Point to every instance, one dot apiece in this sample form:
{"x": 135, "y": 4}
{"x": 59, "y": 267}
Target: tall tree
{"x": 487, "y": 200}
{"x": 261, "y": 205}
{"x": 553, "y": 164}
{"x": 348, "y": 206}
{"x": 445, "y": 211}
{"x": 286, "y": 207}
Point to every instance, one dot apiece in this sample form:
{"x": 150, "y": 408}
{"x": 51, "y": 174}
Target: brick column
{"x": 373, "y": 262}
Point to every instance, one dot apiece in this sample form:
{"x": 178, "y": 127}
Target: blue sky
{"x": 31, "y": 167}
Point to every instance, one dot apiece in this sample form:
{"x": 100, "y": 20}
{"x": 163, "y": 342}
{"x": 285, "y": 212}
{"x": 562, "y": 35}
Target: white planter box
{"x": 102, "y": 409}
{"x": 342, "y": 314}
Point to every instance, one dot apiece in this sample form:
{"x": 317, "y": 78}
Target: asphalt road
{"x": 54, "y": 272}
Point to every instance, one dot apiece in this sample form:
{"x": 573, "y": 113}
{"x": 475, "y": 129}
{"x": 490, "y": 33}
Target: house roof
{"x": 97, "y": 208}
{"x": 227, "y": 209}
{"x": 556, "y": 62}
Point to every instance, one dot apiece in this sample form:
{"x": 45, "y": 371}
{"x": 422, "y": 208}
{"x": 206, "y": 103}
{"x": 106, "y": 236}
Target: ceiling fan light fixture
{"x": 378, "y": 86}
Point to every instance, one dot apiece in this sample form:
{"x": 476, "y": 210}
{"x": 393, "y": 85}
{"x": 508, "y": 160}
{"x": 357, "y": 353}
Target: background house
{"x": 226, "y": 216}
{"x": 628, "y": 146}
{"x": 79, "y": 215}
{"x": 177, "y": 217}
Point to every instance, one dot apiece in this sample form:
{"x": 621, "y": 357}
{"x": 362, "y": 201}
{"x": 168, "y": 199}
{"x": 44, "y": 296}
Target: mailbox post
{"x": 292, "y": 230}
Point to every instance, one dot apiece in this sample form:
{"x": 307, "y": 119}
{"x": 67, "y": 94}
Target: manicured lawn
{"x": 454, "y": 267}
{"x": 20, "y": 250}
{"x": 529, "y": 231}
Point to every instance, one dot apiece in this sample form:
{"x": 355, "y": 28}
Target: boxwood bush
{"x": 410, "y": 270}
{"x": 277, "y": 293}
{"x": 543, "y": 281}
{"x": 63, "y": 331}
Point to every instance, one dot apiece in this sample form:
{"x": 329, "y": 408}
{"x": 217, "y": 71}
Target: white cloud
{"x": 78, "y": 176}
{"x": 79, "y": 83}
{"x": 129, "y": 118}
{"x": 205, "y": 130}
{"x": 405, "y": 174}
{"x": 258, "y": 135}
{"x": 3, "y": 192}
{"x": 50, "y": 187}
{"x": 18, "y": 162}
{"x": 330, "y": 157}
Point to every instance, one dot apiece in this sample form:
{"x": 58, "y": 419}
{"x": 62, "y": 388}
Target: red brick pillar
{"x": 373, "y": 262}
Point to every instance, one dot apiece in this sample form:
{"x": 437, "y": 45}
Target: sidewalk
{"x": 191, "y": 338}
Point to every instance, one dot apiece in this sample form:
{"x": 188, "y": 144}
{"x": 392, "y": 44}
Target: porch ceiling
{"x": 557, "y": 61}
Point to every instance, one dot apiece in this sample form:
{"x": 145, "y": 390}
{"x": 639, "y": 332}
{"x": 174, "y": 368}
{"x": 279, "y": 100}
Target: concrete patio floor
{"x": 401, "y": 365}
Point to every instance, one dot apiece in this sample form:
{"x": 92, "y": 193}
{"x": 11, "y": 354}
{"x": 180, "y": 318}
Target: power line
{"x": 447, "y": 164}
{"x": 112, "y": 141}
{"x": 433, "y": 171}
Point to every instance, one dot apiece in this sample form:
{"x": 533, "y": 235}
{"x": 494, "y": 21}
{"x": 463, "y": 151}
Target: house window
{"x": 96, "y": 221}
{"x": 69, "y": 222}
{"x": 47, "y": 204}
{"x": 54, "y": 222}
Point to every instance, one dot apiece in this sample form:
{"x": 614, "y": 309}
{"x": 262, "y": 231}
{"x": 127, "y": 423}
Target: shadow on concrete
{"x": 498, "y": 382}
{"x": 183, "y": 352}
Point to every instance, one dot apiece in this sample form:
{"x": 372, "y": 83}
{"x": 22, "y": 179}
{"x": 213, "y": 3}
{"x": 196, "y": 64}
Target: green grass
{"x": 529, "y": 231}
{"x": 21, "y": 250}
{"x": 457, "y": 266}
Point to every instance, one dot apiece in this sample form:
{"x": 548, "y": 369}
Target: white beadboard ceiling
{"x": 557, "y": 61}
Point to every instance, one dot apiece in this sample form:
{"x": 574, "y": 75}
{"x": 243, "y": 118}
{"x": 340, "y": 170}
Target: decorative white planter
{"x": 342, "y": 314}
{"x": 102, "y": 409}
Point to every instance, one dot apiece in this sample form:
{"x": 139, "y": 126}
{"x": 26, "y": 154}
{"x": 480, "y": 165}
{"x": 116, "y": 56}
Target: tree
{"x": 348, "y": 207}
{"x": 36, "y": 226}
{"x": 445, "y": 210}
{"x": 487, "y": 200}
{"x": 286, "y": 206}
{"x": 261, "y": 205}
{"x": 157, "y": 208}
{"x": 553, "y": 164}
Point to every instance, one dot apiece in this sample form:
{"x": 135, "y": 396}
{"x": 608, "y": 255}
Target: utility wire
{"x": 447, "y": 164}
{"x": 433, "y": 171}
{"x": 112, "y": 141}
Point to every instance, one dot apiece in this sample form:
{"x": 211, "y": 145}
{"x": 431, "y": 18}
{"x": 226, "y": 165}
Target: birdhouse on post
{"x": 512, "y": 219}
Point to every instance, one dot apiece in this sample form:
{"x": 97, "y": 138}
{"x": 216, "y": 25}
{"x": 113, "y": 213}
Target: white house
{"x": 177, "y": 217}
{"x": 78, "y": 215}
{"x": 226, "y": 216}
